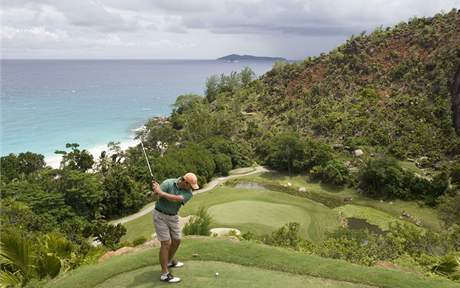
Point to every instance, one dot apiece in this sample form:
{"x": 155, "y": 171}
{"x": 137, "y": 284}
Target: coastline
{"x": 54, "y": 160}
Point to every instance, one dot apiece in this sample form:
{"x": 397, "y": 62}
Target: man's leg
{"x": 164, "y": 255}
{"x": 172, "y": 251}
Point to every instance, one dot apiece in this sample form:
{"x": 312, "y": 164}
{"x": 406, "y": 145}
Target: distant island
{"x": 236, "y": 57}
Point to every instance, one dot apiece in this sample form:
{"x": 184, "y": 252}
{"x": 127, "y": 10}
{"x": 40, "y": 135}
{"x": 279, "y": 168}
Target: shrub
{"x": 317, "y": 153}
{"x": 139, "y": 241}
{"x": 382, "y": 178}
{"x": 223, "y": 164}
{"x": 286, "y": 236}
{"x": 199, "y": 224}
{"x": 449, "y": 209}
{"x": 333, "y": 172}
{"x": 108, "y": 235}
{"x": 357, "y": 246}
{"x": 455, "y": 174}
{"x": 414, "y": 241}
{"x": 449, "y": 265}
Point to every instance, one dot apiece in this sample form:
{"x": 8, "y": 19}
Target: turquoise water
{"x": 48, "y": 103}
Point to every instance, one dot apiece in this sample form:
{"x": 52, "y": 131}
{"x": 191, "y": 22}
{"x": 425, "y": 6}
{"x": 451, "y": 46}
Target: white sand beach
{"x": 55, "y": 160}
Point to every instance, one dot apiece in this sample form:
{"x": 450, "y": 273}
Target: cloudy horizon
{"x": 194, "y": 29}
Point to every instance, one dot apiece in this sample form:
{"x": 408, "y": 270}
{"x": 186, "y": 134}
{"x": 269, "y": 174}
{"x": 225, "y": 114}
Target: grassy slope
{"x": 201, "y": 274}
{"x": 246, "y": 254}
{"x": 140, "y": 227}
{"x": 257, "y": 210}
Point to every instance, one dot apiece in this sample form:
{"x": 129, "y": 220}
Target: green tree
{"x": 246, "y": 76}
{"x": 223, "y": 164}
{"x": 17, "y": 167}
{"x": 83, "y": 192}
{"x": 286, "y": 152}
{"x": 76, "y": 159}
{"x": 122, "y": 195}
{"x": 185, "y": 103}
{"x": 383, "y": 178}
{"x": 333, "y": 172}
{"x": 199, "y": 124}
{"x": 212, "y": 88}
{"x": 109, "y": 235}
{"x": 30, "y": 162}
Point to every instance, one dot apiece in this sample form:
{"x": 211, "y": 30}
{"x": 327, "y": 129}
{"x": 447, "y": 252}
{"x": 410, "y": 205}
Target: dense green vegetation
{"x": 386, "y": 93}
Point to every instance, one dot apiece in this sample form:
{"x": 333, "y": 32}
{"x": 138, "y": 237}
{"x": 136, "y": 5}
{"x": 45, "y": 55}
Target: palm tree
{"x": 21, "y": 260}
{"x": 16, "y": 259}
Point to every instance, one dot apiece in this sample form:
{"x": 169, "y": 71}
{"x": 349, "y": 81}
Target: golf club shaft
{"x": 155, "y": 196}
{"x": 147, "y": 159}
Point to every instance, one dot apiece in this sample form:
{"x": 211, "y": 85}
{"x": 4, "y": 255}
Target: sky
{"x": 194, "y": 29}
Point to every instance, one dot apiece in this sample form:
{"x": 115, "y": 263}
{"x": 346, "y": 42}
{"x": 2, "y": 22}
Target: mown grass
{"x": 334, "y": 197}
{"x": 321, "y": 219}
{"x": 199, "y": 274}
{"x": 242, "y": 208}
{"x": 245, "y": 253}
{"x": 261, "y": 213}
{"x": 140, "y": 227}
{"x": 256, "y": 210}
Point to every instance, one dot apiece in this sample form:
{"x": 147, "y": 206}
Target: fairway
{"x": 258, "y": 212}
{"x": 202, "y": 274}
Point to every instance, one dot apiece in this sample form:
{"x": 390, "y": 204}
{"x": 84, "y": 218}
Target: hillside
{"x": 388, "y": 88}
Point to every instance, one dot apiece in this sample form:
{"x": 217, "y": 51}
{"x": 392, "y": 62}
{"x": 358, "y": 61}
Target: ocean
{"x": 48, "y": 103}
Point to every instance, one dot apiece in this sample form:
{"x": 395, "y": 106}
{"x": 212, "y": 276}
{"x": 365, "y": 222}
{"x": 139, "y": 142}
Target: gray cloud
{"x": 194, "y": 28}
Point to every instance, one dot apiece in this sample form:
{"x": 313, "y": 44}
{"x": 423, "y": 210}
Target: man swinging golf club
{"x": 173, "y": 193}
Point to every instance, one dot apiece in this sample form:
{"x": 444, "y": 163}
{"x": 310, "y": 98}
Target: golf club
{"x": 155, "y": 197}
{"x": 147, "y": 159}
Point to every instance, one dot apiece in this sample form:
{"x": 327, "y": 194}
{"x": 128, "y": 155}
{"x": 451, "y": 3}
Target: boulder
{"x": 302, "y": 189}
{"x": 337, "y": 146}
{"x": 358, "y": 153}
{"x": 224, "y": 231}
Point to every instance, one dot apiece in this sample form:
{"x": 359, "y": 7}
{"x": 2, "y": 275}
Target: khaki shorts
{"x": 166, "y": 226}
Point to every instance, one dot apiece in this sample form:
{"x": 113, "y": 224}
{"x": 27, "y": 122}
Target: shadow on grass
{"x": 277, "y": 176}
{"x": 273, "y": 175}
{"x": 331, "y": 188}
{"x": 149, "y": 278}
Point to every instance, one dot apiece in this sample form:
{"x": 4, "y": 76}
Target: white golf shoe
{"x": 175, "y": 264}
{"x": 168, "y": 277}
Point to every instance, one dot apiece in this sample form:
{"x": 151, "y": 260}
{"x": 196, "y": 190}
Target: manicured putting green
{"x": 202, "y": 274}
{"x": 258, "y": 212}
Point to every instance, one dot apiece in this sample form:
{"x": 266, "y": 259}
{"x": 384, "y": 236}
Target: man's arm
{"x": 156, "y": 190}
